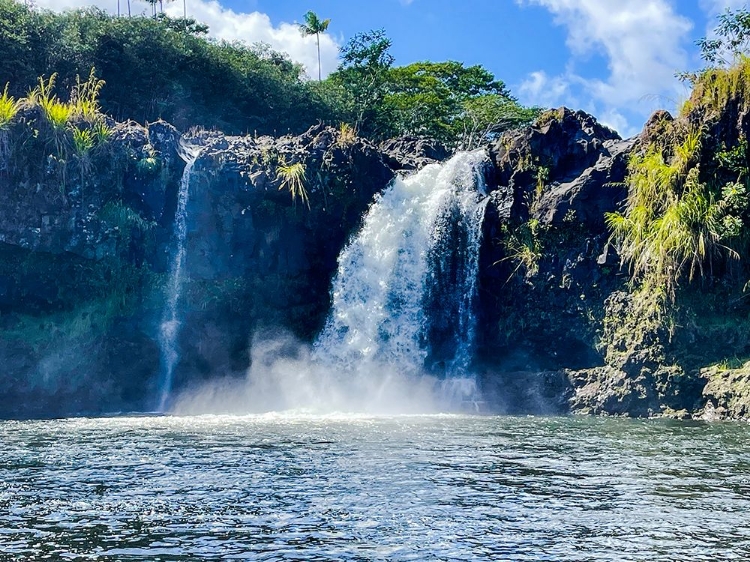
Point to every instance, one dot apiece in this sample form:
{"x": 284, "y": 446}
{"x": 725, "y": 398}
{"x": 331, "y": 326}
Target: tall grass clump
{"x": 56, "y": 112}
{"x": 676, "y": 224}
{"x": 715, "y": 88}
{"x": 293, "y": 178}
{"x": 9, "y": 106}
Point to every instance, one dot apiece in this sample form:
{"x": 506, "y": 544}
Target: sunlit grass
{"x": 293, "y": 178}
{"x": 9, "y": 107}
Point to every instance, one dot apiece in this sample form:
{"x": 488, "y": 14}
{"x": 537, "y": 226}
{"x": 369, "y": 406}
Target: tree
{"x": 153, "y": 4}
{"x": 484, "y": 117}
{"x": 315, "y": 26}
{"x": 731, "y": 38}
{"x": 459, "y": 105}
{"x": 363, "y": 74}
{"x": 427, "y": 98}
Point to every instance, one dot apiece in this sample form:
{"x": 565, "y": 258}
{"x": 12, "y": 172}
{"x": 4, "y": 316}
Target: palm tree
{"x": 314, "y": 26}
{"x": 153, "y": 6}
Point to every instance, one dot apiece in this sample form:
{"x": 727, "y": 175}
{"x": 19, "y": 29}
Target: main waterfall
{"x": 401, "y": 333}
{"x": 406, "y": 286}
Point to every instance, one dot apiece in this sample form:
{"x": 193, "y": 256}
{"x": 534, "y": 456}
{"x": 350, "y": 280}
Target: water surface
{"x": 303, "y": 487}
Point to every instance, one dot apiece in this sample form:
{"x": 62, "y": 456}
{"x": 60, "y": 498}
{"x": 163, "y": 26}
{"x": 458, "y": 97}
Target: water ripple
{"x": 297, "y": 487}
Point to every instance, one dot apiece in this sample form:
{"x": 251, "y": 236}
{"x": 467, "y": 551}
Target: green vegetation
{"x": 458, "y": 105}
{"x": 243, "y": 89}
{"x": 681, "y": 218}
{"x": 683, "y": 230}
{"x": 730, "y": 40}
{"x": 523, "y": 246}
{"x": 125, "y": 219}
{"x": 347, "y": 135}
{"x": 8, "y": 108}
{"x": 293, "y": 178}
{"x": 73, "y": 128}
{"x": 233, "y": 87}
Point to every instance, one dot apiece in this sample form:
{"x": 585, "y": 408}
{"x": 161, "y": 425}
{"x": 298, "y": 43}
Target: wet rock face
{"x": 54, "y": 201}
{"x": 266, "y": 220}
{"x": 526, "y": 392}
{"x": 83, "y": 268}
{"x": 726, "y": 393}
{"x": 598, "y": 190}
{"x": 248, "y": 216}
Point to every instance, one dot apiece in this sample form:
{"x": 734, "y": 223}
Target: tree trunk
{"x": 320, "y": 72}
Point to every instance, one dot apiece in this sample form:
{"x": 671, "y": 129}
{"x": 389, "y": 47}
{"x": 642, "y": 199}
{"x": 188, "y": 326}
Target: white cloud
{"x": 227, "y": 24}
{"x": 643, "y": 44}
{"x": 713, "y": 8}
{"x": 547, "y": 91}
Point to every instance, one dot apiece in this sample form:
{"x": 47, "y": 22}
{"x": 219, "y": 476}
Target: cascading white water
{"x": 389, "y": 272}
{"x": 169, "y": 328}
{"x": 403, "y": 311}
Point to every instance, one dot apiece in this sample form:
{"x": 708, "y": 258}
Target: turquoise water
{"x": 304, "y": 487}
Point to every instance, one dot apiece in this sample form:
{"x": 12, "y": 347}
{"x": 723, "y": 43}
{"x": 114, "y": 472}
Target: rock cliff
{"x": 85, "y": 239}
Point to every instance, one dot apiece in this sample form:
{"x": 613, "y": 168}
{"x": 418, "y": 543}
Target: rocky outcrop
{"x": 727, "y": 393}
{"x": 546, "y": 264}
{"x": 262, "y": 248}
{"x": 566, "y": 165}
{"x": 85, "y": 241}
{"x": 412, "y": 153}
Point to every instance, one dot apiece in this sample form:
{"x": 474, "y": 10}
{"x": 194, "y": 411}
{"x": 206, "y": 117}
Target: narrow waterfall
{"x": 410, "y": 274}
{"x": 169, "y": 329}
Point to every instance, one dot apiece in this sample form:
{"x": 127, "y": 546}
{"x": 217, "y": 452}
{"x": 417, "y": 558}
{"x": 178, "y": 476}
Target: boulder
{"x": 726, "y": 394}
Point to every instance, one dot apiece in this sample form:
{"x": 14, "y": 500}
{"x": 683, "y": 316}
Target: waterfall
{"x": 406, "y": 285}
{"x": 169, "y": 329}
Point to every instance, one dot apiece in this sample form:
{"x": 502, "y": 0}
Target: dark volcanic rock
{"x": 566, "y": 162}
{"x": 604, "y": 390}
{"x": 599, "y": 189}
{"x": 84, "y": 252}
{"x": 526, "y": 392}
{"x": 546, "y": 265}
{"x": 726, "y": 393}
{"x": 412, "y": 153}
{"x": 262, "y": 250}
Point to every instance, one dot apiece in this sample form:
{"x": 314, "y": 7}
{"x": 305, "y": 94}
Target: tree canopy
{"x": 315, "y": 26}
{"x": 730, "y": 40}
{"x": 457, "y": 104}
{"x": 168, "y": 68}
{"x": 159, "y": 68}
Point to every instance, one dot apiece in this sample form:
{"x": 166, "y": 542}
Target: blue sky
{"x": 613, "y": 58}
